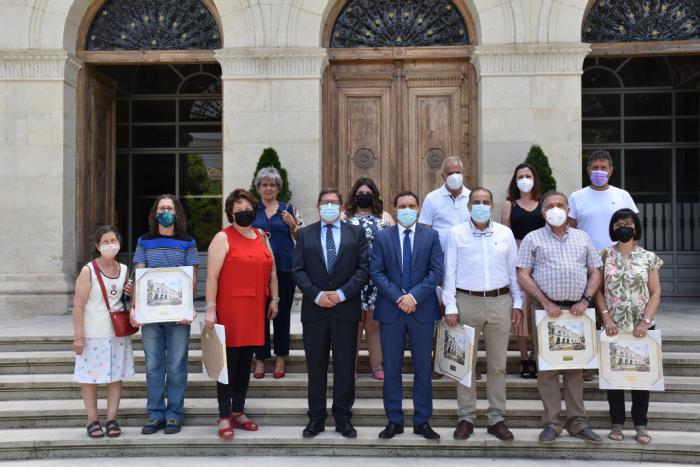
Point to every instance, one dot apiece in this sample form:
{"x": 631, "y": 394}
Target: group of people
{"x": 360, "y": 271}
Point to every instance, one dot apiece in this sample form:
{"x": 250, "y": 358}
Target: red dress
{"x": 244, "y": 287}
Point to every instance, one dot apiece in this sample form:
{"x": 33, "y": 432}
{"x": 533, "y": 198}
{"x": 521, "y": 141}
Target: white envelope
{"x": 214, "y": 352}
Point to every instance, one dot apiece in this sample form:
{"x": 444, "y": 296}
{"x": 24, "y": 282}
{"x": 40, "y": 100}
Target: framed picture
{"x": 568, "y": 342}
{"x": 164, "y": 294}
{"x": 628, "y": 362}
{"x": 454, "y": 349}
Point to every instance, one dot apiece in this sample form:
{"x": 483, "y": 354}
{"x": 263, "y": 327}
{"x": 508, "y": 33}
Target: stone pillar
{"x": 37, "y": 181}
{"x": 272, "y": 98}
{"x": 529, "y": 94}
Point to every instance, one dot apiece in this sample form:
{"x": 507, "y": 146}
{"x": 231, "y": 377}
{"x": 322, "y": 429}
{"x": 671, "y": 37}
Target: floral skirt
{"x": 104, "y": 360}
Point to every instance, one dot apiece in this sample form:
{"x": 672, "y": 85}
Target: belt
{"x": 487, "y": 293}
{"x": 563, "y": 303}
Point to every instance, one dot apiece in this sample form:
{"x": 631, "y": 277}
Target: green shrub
{"x": 269, "y": 158}
{"x": 539, "y": 161}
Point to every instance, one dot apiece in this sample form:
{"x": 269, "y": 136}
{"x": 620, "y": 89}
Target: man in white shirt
{"x": 591, "y": 208}
{"x": 446, "y": 207}
{"x": 480, "y": 289}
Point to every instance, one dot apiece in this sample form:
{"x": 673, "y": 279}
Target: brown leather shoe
{"x": 501, "y": 431}
{"x": 464, "y": 430}
{"x": 436, "y": 375}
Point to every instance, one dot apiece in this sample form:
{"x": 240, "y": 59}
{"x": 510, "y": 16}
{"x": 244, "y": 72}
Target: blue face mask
{"x": 406, "y": 216}
{"x": 481, "y": 213}
{"x": 330, "y": 212}
{"x": 166, "y": 218}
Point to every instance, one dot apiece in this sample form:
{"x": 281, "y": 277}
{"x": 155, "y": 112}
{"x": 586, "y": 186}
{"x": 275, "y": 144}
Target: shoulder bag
{"x": 120, "y": 319}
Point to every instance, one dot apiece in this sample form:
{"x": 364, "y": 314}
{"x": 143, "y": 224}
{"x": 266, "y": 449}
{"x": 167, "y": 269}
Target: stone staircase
{"x": 42, "y": 415}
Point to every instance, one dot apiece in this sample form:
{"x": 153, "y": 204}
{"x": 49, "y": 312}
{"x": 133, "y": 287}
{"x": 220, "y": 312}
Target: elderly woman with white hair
{"x": 280, "y": 221}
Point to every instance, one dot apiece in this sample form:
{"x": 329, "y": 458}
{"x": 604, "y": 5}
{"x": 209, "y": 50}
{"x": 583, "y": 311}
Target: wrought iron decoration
{"x": 399, "y": 23}
{"x": 153, "y": 25}
{"x": 642, "y": 20}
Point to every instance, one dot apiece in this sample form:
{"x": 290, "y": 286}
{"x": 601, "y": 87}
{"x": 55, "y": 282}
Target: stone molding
{"x": 530, "y": 59}
{"x": 275, "y": 63}
{"x": 39, "y": 65}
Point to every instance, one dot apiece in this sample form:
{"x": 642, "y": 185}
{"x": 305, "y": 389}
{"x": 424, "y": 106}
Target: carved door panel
{"x": 95, "y": 160}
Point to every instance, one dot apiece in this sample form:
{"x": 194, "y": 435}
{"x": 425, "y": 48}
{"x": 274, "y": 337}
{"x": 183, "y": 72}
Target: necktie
{"x": 330, "y": 248}
{"x": 406, "y": 274}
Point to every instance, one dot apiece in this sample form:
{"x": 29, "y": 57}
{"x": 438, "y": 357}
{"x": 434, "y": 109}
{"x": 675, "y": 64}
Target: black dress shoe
{"x": 425, "y": 431}
{"x": 391, "y": 430}
{"x": 313, "y": 428}
{"x": 346, "y": 429}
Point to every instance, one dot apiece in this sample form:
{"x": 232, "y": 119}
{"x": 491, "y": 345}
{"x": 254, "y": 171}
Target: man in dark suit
{"x": 406, "y": 266}
{"x": 331, "y": 265}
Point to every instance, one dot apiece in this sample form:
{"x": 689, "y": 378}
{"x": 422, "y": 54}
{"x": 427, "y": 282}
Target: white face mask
{"x": 109, "y": 251}
{"x": 454, "y": 181}
{"x": 525, "y": 184}
{"x": 556, "y": 217}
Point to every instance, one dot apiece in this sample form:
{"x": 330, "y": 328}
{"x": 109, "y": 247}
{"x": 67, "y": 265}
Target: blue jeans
{"x": 165, "y": 346}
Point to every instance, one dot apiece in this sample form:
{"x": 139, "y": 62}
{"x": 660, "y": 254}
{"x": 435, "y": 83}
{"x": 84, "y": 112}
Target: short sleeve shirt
{"x": 593, "y": 210}
{"x": 161, "y": 251}
{"x": 442, "y": 211}
{"x": 559, "y": 265}
{"x": 627, "y": 284}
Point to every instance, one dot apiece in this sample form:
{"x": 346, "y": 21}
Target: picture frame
{"x": 568, "y": 342}
{"x": 628, "y": 362}
{"x": 454, "y": 352}
{"x": 164, "y": 294}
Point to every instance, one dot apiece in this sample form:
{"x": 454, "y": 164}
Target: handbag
{"x": 120, "y": 319}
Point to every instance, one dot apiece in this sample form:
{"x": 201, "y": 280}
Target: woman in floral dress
{"x": 627, "y": 302}
{"x": 365, "y": 209}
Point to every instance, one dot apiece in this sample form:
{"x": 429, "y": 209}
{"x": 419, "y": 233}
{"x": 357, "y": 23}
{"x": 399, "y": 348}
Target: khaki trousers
{"x": 492, "y": 317}
{"x": 548, "y": 386}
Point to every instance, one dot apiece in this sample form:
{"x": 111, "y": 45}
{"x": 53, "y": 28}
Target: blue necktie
{"x": 330, "y": 248}
{"x": 406, "y": 275}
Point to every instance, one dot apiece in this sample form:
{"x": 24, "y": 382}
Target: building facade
{"x": 106, "y": 103}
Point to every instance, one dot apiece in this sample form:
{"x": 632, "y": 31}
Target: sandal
{"x": 616, "y": 432}
{"x": 642, "y": 436}
{"x": 248, "y": 425}
{"x": 113, "y": 429}
{"x": 525, "y": 369}
{"x": 227, "y": 432}
{"x": 94, "y": 430}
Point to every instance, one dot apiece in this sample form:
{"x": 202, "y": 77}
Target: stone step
{"x": 672, "y": 342}
{"x": 60, "y": 386}
{"x": 292, "y": 412}
{"x": 50, "y": 362}
{"x": 40, "y": 443}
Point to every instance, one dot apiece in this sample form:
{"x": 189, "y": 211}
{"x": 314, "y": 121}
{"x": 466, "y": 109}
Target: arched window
{"x": 394, "y": 23}
{"x": 641, "y": 20}
{"x": 122, "y": 25}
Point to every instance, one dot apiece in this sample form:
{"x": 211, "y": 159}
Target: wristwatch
{"x": 276, "y": 299}
{"x": 649, "y": 321}
{"x": 588, "y": 298}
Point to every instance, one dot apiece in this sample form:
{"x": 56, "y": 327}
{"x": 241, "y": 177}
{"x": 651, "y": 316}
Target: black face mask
{"x": 364, "y": 200}
{"x": 623, "y": 234}
{"x": 244, "y": 218}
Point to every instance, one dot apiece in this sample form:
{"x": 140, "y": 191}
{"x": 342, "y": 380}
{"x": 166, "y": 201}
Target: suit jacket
{"x": 350, "y": 272}
{"x": 427, "y": 268}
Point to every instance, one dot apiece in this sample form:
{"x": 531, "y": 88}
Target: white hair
{"x": 268, "y": 173}
{"x": 449, "y": 160}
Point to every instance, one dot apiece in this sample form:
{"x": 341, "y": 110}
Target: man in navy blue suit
{"x": 406, "y": 266}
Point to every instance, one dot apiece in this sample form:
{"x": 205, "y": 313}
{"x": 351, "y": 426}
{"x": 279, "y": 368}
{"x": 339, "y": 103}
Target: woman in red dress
{"x": 241, "y": 280}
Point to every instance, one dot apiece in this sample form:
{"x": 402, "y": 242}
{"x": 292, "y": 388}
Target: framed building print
{"x": 454, "y": 349}
{"x": 628, "y": 362}
{"x": 567, "y": 342}
{"x": 164, "y": 294}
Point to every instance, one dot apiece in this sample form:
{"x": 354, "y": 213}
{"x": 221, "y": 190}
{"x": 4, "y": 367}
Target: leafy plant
{"x": 269, "y": 158}
{"x": 537, "y": 158}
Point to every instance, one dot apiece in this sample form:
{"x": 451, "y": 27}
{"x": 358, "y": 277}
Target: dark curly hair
{"x": 377, "y": 203}
{"x": 514, "y": 192}
{"x": 180, "y": 215}
{"x": 237, "y": 195}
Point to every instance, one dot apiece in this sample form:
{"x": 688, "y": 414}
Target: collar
{"x": 445, "y": 192}
{"x": 475, "y": 229}
{"x": 334, "y": 224}
{"x": 402, "y": 229}
{"x": 549, "y": 229}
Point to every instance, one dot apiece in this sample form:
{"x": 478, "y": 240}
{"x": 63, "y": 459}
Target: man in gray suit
{"x": 331, "y": 266}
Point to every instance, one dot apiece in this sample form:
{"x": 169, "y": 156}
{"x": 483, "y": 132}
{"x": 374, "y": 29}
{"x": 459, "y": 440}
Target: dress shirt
{"x": 442, "y": 211}
{"x": 559, "y": 265}
{"x": 480, "y": 261}
{"x": 402, "y": 229}
{"x": 336, "y": 240}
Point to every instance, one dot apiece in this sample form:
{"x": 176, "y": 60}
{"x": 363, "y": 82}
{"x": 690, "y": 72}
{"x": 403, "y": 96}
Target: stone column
{"x": 272, "y": 98}
{"x": 529, "y": 94}
{"x": 37, "y": 181}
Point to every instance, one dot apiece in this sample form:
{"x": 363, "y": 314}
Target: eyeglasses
{"x": 478, "y": 233}
{"x": 162, "y": 210}
{"x": 617, "y": 225}
{"x": 334, "y": 203}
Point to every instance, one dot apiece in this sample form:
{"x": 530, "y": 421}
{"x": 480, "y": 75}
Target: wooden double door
{"x": 395, "y": 121}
